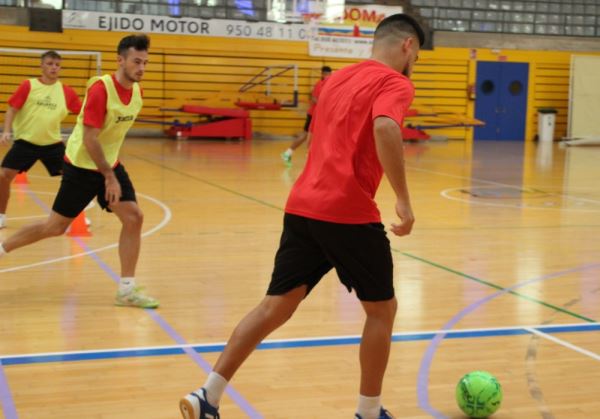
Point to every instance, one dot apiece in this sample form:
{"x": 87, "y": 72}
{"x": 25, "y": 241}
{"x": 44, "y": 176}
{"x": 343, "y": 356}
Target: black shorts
{"x": 307, "y": 123}
{"x": 23, "y": 154}
{"x": 360, "y": 253}
{"x": 79, "y": 186}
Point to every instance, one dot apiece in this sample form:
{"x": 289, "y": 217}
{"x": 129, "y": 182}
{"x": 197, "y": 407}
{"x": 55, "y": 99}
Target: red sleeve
{"x": 17, "y": 100}
{"x": 94, "y": 111}
{"x": 73, "y": 102}
{"x": 317, "y": 89}
{"x": 394, "y": 99}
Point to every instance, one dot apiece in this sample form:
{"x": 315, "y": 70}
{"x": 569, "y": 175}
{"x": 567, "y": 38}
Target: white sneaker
{"x": 195, "y": 406}
{"x": 2, "y": 221}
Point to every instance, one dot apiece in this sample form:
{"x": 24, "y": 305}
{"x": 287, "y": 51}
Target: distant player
{"x": 33, "y": 119}
{"x": 332, "y": 221}
{"x": 286, "y": 156}
{"x": 92, "y": 167}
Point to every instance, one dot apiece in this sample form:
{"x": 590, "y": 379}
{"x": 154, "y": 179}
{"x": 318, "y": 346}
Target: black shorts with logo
{"x": 23, "y": 154}
{"x": 79, "y": 186}
{"x": 360, "y": 253}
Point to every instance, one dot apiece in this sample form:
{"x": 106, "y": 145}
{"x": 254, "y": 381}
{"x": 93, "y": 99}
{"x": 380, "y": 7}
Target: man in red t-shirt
{"x": 34, "y": 114}
{"x": 286, "y": 156}
{"x": 331, "y": 219}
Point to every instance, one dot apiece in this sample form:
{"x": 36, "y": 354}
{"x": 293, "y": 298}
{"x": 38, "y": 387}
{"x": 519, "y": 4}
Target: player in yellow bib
{"x": 92, "y": 169}
{"x": 33, "y": 119}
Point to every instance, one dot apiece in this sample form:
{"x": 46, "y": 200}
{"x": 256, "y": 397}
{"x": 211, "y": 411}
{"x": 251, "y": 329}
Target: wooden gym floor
{"x": 500, "y": 274}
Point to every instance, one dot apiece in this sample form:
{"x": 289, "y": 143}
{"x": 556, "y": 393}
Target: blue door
{"x": 501, "y": 100}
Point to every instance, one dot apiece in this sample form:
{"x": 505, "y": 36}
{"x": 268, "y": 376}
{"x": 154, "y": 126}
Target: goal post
{"x": 18, "y": 64}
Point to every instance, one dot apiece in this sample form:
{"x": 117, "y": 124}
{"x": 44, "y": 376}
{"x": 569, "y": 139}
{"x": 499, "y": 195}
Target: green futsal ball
{"x": 478, "y": 394}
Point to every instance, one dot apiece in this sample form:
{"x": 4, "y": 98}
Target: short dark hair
{"x": 137, "y": 42}
{"x": 325, "y": 69}
{"x": 397, "y": 24}
{"x": 51, "y": 54}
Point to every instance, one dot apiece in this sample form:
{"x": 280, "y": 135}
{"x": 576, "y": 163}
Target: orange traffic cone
{"x": 21, "y": 178}
{"x": 78, "y": 227}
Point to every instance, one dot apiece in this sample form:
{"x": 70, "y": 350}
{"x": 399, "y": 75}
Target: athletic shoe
{"x": 195, "y": 406}
{"x": 2, "y": 221}
{"x": 287, "y": 159}
{"x": 383, "y": 414}
{"x": 135, "y": 298}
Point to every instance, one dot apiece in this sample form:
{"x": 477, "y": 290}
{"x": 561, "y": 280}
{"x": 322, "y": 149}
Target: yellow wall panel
{"x": 214, "y": 68}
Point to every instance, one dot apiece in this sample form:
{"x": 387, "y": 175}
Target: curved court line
{"x": 423, "y": 376}
{"x": 491, "y": 182}
{"x": 167, "y": 328}
{"x": 445, "y": 194}
{"x": 92, "y": 204}
{"x": 166, "y": 218}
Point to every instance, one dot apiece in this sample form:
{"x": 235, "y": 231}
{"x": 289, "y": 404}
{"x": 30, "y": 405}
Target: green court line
{"x": 214, "y": 185}
{"x": 437, "y": 265}
{"x": 498, "y": 287}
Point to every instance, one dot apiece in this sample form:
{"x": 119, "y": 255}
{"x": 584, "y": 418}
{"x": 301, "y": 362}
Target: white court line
{"x": 564, "y": 343}
{"x": 165, "y": 220}
{"x": 530, "y": 329}
{"x": 27, "y": 217}
{"x": 491, "y": 182}
{"x": 446, "y": 194}
{"x": 91, "y": 205}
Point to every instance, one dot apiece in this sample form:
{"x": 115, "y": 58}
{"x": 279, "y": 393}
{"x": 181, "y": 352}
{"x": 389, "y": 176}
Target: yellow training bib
{"x": 119, "y": 118}
{"x": 38, "y": 121}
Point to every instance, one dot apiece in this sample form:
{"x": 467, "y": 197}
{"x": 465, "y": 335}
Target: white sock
{"x": 215, "y": 387}
{"x": 369, "y": 407}
{"x": 126, "y": 284}
{"x": 288, "y": 152}
{"x": 2, "y": 251}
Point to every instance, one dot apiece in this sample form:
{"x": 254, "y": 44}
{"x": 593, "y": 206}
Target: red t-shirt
{"x": 315, "y": 93}
{"x": 343, "y": 172}
{"x": 94, "y": 111}
{"x": 19, "y": 97}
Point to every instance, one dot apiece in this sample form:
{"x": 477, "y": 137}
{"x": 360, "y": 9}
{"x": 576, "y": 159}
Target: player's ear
{"x": 407, "y": 44}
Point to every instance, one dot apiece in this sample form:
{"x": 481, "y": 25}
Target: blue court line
{"x": 285, "y": 344}
{"x": 427, "y": 359}
{"x": 243, "y": 404}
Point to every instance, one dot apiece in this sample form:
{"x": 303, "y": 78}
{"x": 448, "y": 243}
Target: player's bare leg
{"x": 6, "y": 178}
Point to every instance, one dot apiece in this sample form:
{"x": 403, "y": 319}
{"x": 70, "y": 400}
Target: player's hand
{"x": 5, "y": 138}
{"x": 407, "y": 219}
{"x": 113, "y": 189}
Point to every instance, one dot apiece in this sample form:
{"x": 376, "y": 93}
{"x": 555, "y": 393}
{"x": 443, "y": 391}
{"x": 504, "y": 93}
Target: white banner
{"x": 119, "y": 22}
{"x": 354, "y": 37}
{"x": 340, "y": 46}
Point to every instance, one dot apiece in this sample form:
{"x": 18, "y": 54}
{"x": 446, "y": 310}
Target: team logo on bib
{"x": 124, "y": 118}
{"x": 47, "y": 103}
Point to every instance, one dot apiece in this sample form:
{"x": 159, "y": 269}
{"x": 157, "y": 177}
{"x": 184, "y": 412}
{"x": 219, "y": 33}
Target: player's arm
{"x": 94, "y": 149}
{"x": 15, "y": 102}
{"x": 390, "y": 151}
{"x": 9, "y": 117}
{"x": 73, "y": 101}
{"x": 94, "y": 114}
